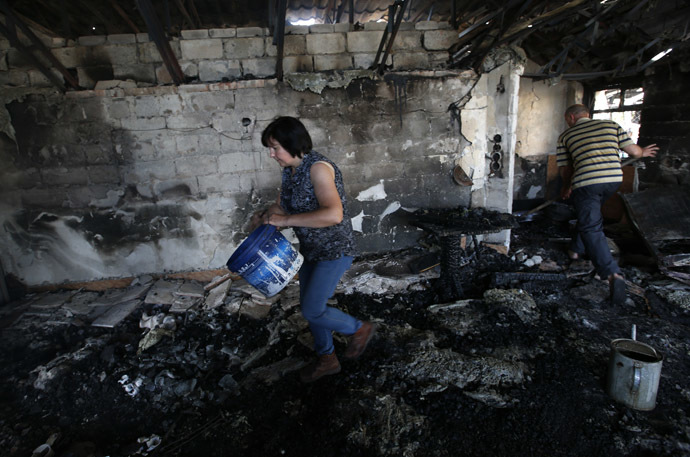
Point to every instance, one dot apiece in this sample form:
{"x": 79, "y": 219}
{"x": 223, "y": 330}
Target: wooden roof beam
{"x": 10, "y": 31}
{"x": 124, "y": 16}
{"x": 156, "y": 32}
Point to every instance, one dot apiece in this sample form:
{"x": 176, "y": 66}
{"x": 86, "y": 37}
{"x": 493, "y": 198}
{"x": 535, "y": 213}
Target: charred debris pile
{"x": 515, "y": 366}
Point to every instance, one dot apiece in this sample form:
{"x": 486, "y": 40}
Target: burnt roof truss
{"x": 9, "y": 29}
{"x": 395, "y": 16}
{"x": 158, "y": 36}
{"x": 279, "y": 37}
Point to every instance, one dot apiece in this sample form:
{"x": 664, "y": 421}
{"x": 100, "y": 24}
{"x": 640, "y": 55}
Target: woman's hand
{"x": 257, "y": 219}
{"x": 279, "y": 220}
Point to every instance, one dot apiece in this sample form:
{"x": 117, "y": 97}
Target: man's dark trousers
{"x": 590, "y": 238}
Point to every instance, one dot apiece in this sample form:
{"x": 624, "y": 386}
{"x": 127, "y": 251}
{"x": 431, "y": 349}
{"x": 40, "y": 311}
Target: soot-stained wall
{"x": 666, "y": 122}
{"x": 115, "y": 183}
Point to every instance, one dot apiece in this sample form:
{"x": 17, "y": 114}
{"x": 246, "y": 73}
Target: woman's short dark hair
{"x": 290, "y": 133}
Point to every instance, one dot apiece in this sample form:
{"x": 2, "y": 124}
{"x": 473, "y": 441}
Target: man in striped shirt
{"x": 589, "y": 164}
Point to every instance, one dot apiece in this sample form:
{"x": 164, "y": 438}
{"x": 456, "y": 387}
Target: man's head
{"x": 575, "y": 112}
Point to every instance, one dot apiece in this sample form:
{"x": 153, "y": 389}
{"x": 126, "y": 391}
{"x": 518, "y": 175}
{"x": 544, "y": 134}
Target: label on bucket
{"x": 279, "y": 276}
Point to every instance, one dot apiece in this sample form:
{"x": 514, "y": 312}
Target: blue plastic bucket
{"x": 266, "y": 260}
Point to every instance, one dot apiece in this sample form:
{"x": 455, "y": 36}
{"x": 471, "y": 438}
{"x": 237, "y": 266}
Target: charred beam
{"x": 503, "y": 27}
{"x": 280, "y": 37}
{"x": 124, "y": 16}
{"x": 341, "y": 9}
{"x": 637, "y": 55}
{"x": 549, "y": 17}
{"x": 395, "y": 16}
{"x": 453, "y": 14}
{"x": 11, "y": 35}
{"x": 158, "y": 35}
{"x": 10, "y": 31}
{"x": 195, "y": 13}
{"x": 185, "y": 14}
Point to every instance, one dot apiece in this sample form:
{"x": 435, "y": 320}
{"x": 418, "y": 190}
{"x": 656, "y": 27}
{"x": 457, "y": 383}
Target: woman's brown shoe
{"x": 359, "y": 340}
{"x": 322, "y": 366}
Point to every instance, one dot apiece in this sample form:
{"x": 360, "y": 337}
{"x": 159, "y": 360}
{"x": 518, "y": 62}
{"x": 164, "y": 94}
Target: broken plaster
{"x": 317, "y": 82}
{"x": 373, "y": 193}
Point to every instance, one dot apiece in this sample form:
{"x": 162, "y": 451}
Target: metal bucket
{"x": 634, "y": 373}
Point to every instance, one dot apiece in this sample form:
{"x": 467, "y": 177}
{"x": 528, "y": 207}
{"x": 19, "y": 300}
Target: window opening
{"x": 621, "y": 105}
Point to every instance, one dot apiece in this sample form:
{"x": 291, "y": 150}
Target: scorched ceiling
{"x": 579, "y": 39}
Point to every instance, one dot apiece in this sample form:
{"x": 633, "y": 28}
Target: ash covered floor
{"x": 517, "y": 367}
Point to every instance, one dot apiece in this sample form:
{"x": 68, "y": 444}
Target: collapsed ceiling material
{"x": 576, "y": 39}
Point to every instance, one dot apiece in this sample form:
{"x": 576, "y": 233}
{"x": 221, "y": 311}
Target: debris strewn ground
{"x": 516, "y": 367}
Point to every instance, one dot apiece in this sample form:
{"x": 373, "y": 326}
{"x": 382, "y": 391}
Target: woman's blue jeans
{"x": 317, "y": 283}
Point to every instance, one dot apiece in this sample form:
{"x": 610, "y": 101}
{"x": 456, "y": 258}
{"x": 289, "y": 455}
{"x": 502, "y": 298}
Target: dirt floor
{"x": 518, "y": 366}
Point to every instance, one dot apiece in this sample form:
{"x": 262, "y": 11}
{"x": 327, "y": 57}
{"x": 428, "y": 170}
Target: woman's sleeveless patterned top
{"x": 297, "y": 196}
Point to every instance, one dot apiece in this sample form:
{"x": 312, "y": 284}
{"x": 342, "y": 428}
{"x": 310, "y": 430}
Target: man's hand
{"x": 565, "y": 192}
{"x": 650, "y": 151}
{"x": 638, "y": 152}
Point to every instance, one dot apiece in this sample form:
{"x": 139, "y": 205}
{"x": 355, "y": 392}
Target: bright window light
{"x": 661, "y": 54}
{"x": 311, "y": 21}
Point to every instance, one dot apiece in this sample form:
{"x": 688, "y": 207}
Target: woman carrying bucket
{"x": 312, "y": 202}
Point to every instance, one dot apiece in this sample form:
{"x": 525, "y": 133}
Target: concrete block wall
{"x": 215, "y": 55}
{"x": 119, "y": 182}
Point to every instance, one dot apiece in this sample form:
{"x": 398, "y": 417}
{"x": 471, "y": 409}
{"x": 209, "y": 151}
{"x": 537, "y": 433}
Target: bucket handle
{"x": 637, "y": 377}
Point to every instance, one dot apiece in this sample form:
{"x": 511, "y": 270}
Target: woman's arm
{"x": 330, "y": 211}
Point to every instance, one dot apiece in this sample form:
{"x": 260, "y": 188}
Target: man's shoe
{"x": 322, "y": 366}
{"x": 359, "y": 340}
{"x": 618, "y": 290}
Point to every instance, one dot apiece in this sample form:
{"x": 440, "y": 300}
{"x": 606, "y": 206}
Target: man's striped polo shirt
{"x": 592, "y": 146}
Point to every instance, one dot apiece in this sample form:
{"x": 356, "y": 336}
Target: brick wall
{"x": 235, "y": 53}
{"x": 120, "y": 182}
{"x": 136, "y": 177}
